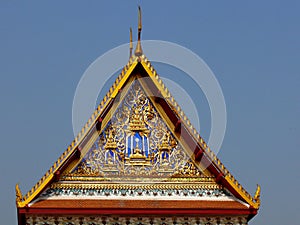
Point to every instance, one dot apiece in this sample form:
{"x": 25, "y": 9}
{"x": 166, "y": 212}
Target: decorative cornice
{"x": 164, "y": 192}
{"x": 146, "y": 220}
{"x": 95, "y": 186}
{"x": 141, "y": 180}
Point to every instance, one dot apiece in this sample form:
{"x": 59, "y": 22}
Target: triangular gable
{"x": 176, "y": 125}
{"x": 135, "y": 143}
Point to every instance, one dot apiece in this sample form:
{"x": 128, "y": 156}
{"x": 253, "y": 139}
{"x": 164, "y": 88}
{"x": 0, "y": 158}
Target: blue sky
{"x": 252, "y": 47}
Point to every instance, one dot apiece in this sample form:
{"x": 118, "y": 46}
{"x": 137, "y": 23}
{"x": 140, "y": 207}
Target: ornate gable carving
{"x": 136, "y": 142}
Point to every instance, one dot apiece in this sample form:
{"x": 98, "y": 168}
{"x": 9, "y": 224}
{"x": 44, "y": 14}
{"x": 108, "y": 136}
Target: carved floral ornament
{"x": 136, "y": 142}
{"x": 121, "y": 220}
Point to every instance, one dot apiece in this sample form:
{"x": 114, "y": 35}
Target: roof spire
{"x": 130, "y": 43}
{"x": 138, "y": 50}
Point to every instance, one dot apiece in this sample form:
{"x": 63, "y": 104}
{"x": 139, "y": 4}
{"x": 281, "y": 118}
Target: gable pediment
{"x": 135, "y": 142}
{"x": 138, "y": 143}
{"x": 137, "y": 158}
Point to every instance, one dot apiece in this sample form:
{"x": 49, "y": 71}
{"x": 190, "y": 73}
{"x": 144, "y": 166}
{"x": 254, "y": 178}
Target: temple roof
{"x": 200, "y": 172}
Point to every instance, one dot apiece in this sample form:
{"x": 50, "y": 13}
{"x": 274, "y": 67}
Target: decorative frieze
{"x": 134, "y": 220}
{"x": 135, "y": 192}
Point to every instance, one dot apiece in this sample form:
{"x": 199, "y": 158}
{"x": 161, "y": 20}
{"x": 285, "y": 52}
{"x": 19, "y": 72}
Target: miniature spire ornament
{"x": 138, "y": 50}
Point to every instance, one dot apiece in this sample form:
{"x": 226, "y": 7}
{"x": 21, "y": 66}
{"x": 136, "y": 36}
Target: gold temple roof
{"x": 140, "y": 62}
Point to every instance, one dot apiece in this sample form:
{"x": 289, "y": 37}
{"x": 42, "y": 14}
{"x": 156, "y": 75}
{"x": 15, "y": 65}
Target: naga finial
{"x": 18, "y": 194}
{"x": 257, "y": 195}
{"x": 138, "y": 50}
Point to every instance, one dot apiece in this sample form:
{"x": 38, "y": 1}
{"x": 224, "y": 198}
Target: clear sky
{"x": 253, "y": 48}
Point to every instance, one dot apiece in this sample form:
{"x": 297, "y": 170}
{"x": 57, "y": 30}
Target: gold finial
{"x": 18, "y": 194}
{"x": 130, "y": 43}
{"x": 257, "y": 195}
{"x": 138, "y": 50}
{"x": 140, "y": 19}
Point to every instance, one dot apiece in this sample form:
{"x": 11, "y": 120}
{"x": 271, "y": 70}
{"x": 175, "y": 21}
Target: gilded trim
{"x": 173, "y": 186}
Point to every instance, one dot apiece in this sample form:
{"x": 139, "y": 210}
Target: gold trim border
{"x": 137, "y": 186}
